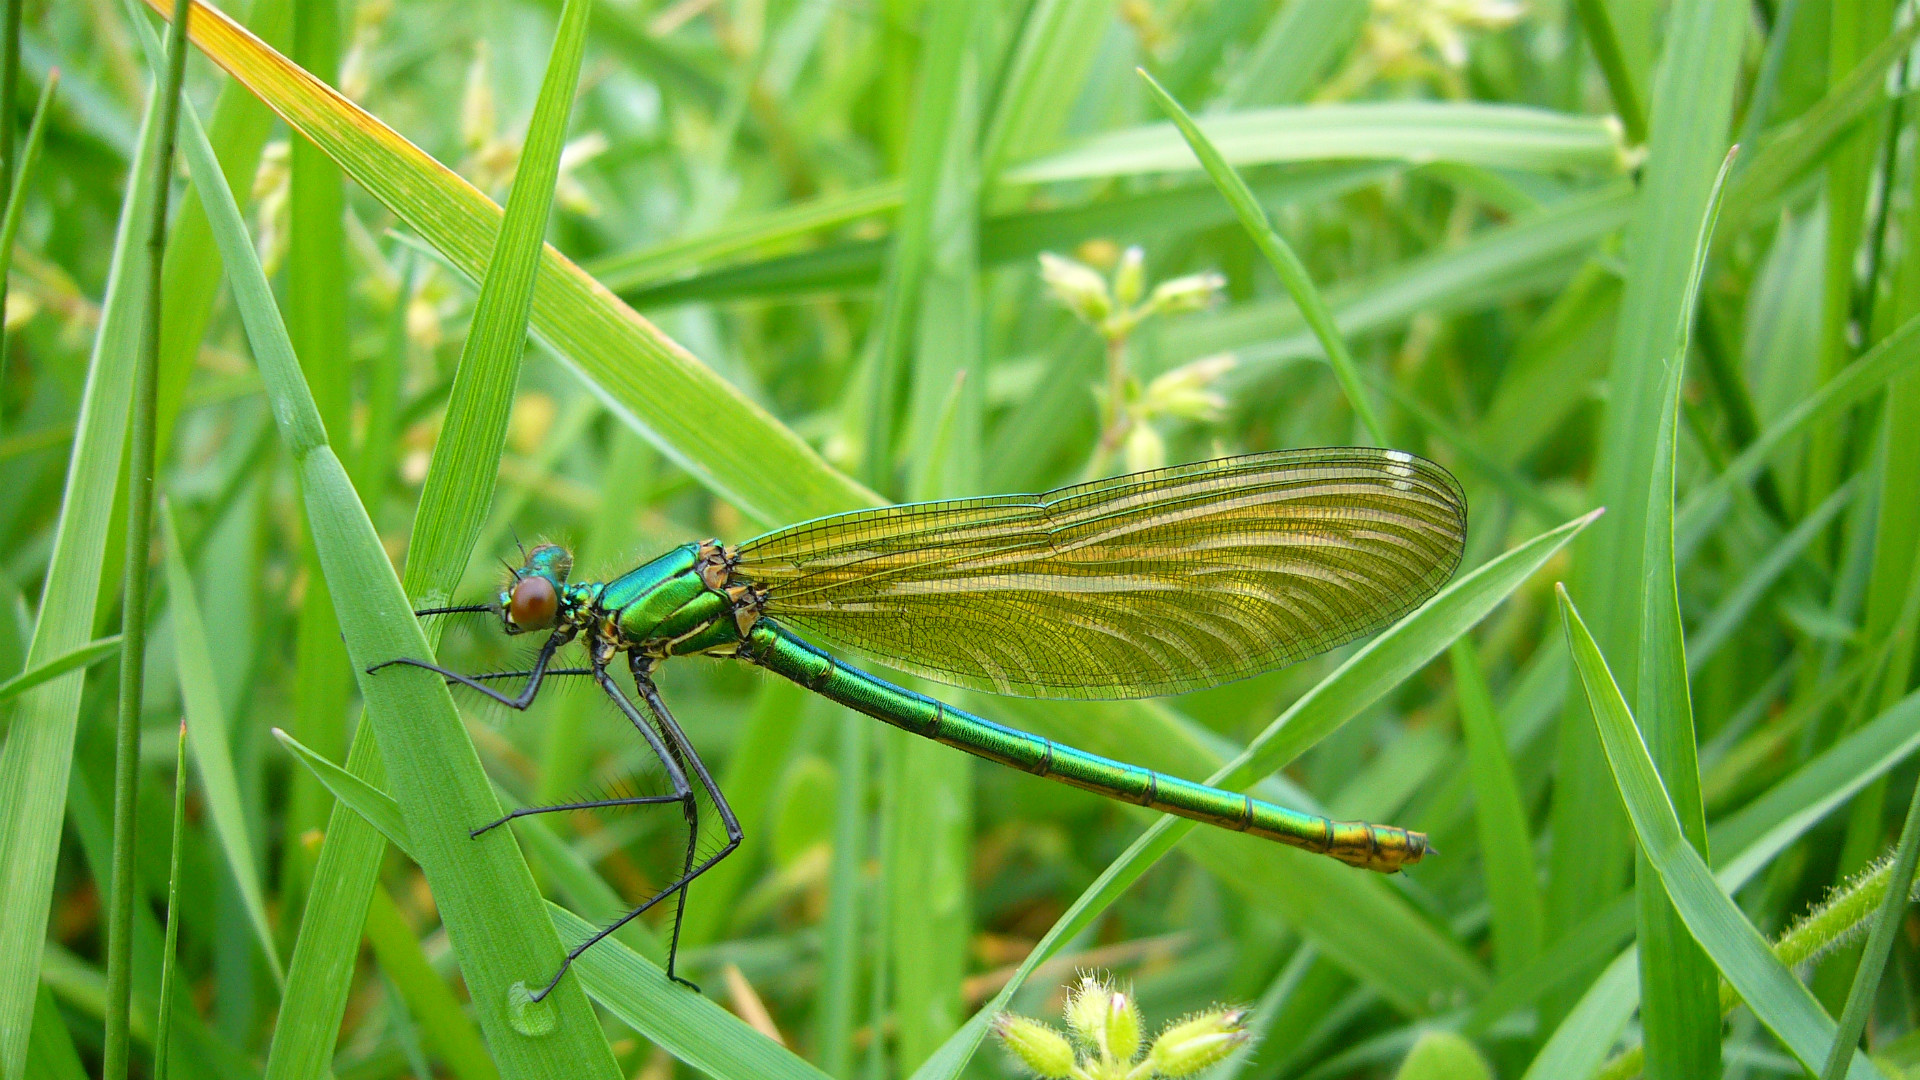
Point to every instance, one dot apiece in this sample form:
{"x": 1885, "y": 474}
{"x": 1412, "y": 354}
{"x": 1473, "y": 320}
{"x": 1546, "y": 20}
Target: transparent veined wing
{"x": 1136, "y": 586}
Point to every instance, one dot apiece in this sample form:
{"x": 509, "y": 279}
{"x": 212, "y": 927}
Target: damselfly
{"x": 1136, "y": 586}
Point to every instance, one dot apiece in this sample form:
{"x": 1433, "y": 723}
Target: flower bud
{"x": 1187, "y": 392}
{"x": 1120, "y": 1028}
{"x": 1197, "y": 1043}
{"x": 1079, "y": 287}
{"x": 1130, "y": 277}
{"x": 1189, "y": 293}
{"x": 1087, "y": 1008}
{"x": 1039, "y": 1047}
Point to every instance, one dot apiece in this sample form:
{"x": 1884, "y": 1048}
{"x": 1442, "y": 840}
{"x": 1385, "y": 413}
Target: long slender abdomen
{"x": 1385, "y": 848}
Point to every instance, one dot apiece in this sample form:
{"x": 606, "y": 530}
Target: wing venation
{"x": 1135, "y": 586}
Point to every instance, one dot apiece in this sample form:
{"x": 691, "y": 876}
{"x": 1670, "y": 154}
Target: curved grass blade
{"x": 1376, "y": 668}
{"x": 1279, "y": 255}
{"x": 20, "y": 177}
{"x": 83, "y": 657}
{"x": 1779, "y": 999}
{"x": 1495, "y": 136}
{"x": 206, "y": 719}
{"x": 37, "y": 759}
{"x": 485, "y": 894}
{"x": 689, "y": 1026}
{"x": 1894, "y": 355}
{"x": 647, "y": 379}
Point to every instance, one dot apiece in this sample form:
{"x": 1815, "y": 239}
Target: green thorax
{"x": 677, "y": 605}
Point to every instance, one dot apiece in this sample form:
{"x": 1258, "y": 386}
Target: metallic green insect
{"x": 1136, "y": 586}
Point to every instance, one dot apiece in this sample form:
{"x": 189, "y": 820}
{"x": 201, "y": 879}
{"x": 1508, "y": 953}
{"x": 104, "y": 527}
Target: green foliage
{"x": 781, "y": 259}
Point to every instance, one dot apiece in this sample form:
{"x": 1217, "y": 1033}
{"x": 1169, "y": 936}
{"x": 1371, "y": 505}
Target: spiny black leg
{"x": 560, "y": 637}
{"x": 551, "y": 673}
{"x": 596, "y": 804}
{"x": 677, "y": 740}
{"x": 682, "y": 793}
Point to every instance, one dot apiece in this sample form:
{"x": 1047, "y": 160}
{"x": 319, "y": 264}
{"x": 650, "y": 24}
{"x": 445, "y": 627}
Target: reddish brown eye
{"x": 534, "y": 603}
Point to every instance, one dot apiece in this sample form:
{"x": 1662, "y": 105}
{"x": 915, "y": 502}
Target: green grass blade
{"x": 211, "y": 737}
{"x": 1779, "y": 999}
{"x": 1800, "y": 146}
{"x": 83, "y": 657}
{"x": 1890, "y": 359}
{"x": 689, "y": 1026}
{"x": 484, "y": 892}
{"x": 679, "y": 258}
{"x": 239, "y": 128}
{"x": 454, "y": 500}
{"x": 1678, "y": 984}
{"x": 35, "y": 763}
{"x": 648, "y": 380}
{"x": 1279, "y": 255}
{"x": 1058, "y": 44}
{"x": 442, "y": 1020}
{"x": 1506, "y": 843}
{"x": 1294, "y": 53}
{"x": 1688, "y": 113}
{"x": 1613, "y": 65}
{"x": 1496, "y": 136}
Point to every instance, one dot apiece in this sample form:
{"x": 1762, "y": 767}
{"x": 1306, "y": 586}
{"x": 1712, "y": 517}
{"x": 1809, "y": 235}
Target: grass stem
{"x": 126, "y": 756}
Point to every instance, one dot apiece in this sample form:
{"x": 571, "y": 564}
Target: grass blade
{"x": 1496, "y": 136}
{"x": 1689, "y": 113}
{"x": 83, "y": 657}
{"x": 1279, "y": 255}
{"x": 211, "y": 737}
{"x": 1779, "y": 999}
{"x": 136, "y": 573}
{"x": 689, "y": 1026}
{"x": 1679, "y": 988}
{"x": 454, "y": 500}
{"x": 35, "y": 764}
{"x": 1506, "y": 844}
{"x": 648, "y": 380}
{"x": 484, "y": 892}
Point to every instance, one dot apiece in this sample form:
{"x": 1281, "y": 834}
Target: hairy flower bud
{"x": 1039, "y": 1047}
{"x": 1197, "y": 1043}
{"x": 1079, "y": 287}
{"x": 1189, "y": 293}
{"x": 1120, "y": 1028}
{"x": 1087, "y": 1008}
{"x": 1187, "y": 391}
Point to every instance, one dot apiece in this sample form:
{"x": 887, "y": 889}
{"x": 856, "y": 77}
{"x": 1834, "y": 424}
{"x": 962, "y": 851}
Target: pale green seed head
{"x": 1196, "y": 1043}
{"x": 1087, "y": 1008}
{"x": 1189, "y": 293}
{"x": 1038, "y": 1046}
{"x": 1078, "y": 286}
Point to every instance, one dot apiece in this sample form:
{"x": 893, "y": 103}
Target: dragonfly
{"x": 1144, "y": 585}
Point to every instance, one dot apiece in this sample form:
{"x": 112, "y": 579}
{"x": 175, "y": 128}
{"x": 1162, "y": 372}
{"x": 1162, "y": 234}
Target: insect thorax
{"x": 683, "y": 603}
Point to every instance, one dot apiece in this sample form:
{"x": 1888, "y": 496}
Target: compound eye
{"x": 534, "y": 603}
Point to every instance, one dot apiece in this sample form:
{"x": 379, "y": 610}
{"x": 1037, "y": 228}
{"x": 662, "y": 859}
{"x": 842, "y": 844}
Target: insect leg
{"x": 592, "y": 804}
{"x": 678, "y": 741}
{"x": 682, "y": 793}
{"x": 525, "y": 697}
